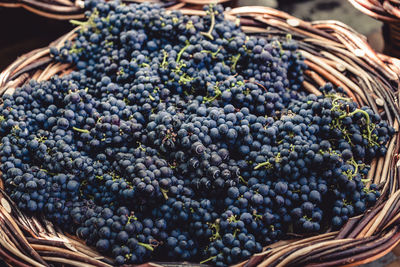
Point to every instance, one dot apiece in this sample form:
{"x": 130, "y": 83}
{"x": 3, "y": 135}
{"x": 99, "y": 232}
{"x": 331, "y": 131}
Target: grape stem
{"x": 337, "y": 98}
{"x": 77, "y": 22}
{"x": 89, "y": 23}
{"x": 367, "y": 118}
{"x": 235, "y": 60}
{"x": 213, "y": 54}
{"x": 365, "y": 180}
{"x": 243, "y": 180}
{"x": 140, "y": 146}
{"x": 209, "y": 33}
{"x": 164, "y": 193}
{"x": 164, "y": 63}
{"x": 216, "y": 228}
{"x": 46, "y": 171}
{"x": 256, "y": 83}
{"x": 355, "y": 164}
{"x": 178, "y": 58}
{"x": 257, "y": 216}
{"x": 218, "y": 93}
{"x": 279, "y": 46}
{"x": 131, "y": 217}
{"x": 264, "y": 164}
{"x": 209, "y": 259}
{"x": 184, "y": 79}
{"x": 146, "y": 246}
{"x": 235, "y": 232}
{"x": 80, "y": 130}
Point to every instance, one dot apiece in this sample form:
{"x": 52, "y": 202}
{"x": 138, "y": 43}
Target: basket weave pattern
{"x": 334, "y": 53}
{"x": 387, "y": 11}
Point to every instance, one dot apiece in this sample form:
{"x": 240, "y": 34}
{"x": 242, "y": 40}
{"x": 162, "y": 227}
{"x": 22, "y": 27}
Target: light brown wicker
{"x": 387, "y": 11}
{"x": 334, "y": 53}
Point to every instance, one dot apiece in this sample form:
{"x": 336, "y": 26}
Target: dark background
{"x": 22, "y": 31}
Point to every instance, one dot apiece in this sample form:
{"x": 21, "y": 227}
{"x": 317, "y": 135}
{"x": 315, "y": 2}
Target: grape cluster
{"x": 181, "y": 138}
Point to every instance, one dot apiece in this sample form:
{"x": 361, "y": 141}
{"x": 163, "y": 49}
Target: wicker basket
{"x": 387, "y": 11}
{"x": 334, "y": 53}
{"x": 74, "y": 9}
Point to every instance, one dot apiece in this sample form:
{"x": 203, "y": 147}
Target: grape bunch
{"x": 179, "y": 138}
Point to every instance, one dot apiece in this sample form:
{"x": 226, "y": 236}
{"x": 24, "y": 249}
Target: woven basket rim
{"x": 386, "y": 11}
{"x": 334, "y": 53}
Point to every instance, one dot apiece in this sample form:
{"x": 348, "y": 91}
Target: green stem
{"x": 146, "y": 246}
{"x": 337, "y": 98}
{"x": 235, "y": 232}
{"x": 213, "y": 54}
{"x": 209, "y": 259}
{"x": 354, "y": 163}
{"x": 164, "y": 192}
{"x": 264, "y": 164}
{"x": 243, "y": 180}
{"x": 232, "y": 219}
{"x": 279, "y": 46}
{"x": 80, "y": 130}
{"x": 130, "y": 218}
{"x": 235, "y": 60}
{"x": 140, "y": 146}
{"x": 178, "y": 59}
{"x": 367, "y": 118}
{"x": 257, "y": 216}
{"x": 209, "y": 33}
{"x": 164, "y": 63}
{"x": 365, "y": 180}
{"x": 46, "y": 171}
{"x": 77, "y": 22}
{"x": 289, "y": 37}
{"x": 184, "y": 79}
{"x": 218, "y": 93}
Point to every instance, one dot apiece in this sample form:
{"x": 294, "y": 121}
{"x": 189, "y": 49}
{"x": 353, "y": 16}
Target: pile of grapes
{"x": 181, "y": 138}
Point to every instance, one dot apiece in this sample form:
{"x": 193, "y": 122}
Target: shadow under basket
{"x": 334, "y": 53}
{"x": 74, "y": 9}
